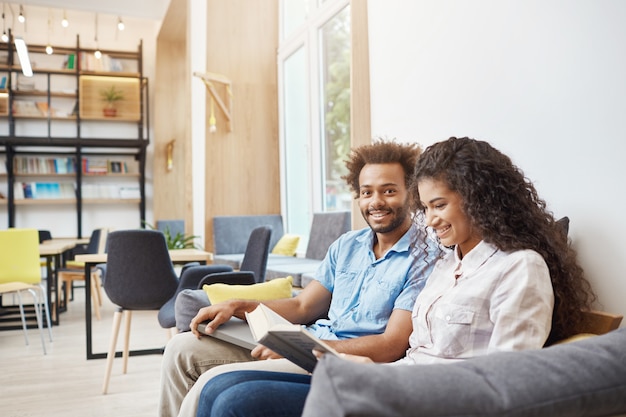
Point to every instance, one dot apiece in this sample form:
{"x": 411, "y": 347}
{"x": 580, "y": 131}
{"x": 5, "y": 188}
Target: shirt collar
{"x": 475, "y": 258}
{"x": 402, "y": 245}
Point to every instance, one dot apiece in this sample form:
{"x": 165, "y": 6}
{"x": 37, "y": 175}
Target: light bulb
{"x": 98, "y": 54}
{"x": 65, "y": 23}
{"x": 49, "y": 49}
{"x": 21, "y": 18}
{"x": 5, "y": 37}
{"x": 212, "y": 121}
{"x": 120, "y": 24}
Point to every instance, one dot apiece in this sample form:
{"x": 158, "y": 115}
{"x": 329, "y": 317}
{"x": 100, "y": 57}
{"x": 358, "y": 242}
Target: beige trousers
{"x": 189, "y": 363}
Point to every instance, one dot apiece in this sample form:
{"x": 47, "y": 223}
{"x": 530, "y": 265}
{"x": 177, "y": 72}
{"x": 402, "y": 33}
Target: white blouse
{"x": 489, "y": 301}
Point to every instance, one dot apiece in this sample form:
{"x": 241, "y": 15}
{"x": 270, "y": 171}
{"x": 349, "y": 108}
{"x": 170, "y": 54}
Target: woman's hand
{"x": 261, "y": 352}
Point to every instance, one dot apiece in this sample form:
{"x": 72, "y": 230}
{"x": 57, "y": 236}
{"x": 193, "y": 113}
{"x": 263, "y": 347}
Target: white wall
{"x": 36, "y": 31}
{"x": 542, "y": 80}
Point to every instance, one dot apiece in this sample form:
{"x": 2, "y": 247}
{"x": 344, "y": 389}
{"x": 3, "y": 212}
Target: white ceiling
{"x": 147, "y": 9}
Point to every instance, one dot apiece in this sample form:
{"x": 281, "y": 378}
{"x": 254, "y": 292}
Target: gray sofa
{"x": 230, "y": 236}
{"x": 231, "y": 233}
{"x": 585, "y": 378}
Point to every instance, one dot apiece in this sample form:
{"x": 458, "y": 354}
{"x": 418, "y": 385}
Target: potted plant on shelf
{"x": 110, "y": 96}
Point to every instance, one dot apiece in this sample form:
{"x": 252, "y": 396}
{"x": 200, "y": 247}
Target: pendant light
{"x": 5, "y": 37}
{"x": 97, "y": 54}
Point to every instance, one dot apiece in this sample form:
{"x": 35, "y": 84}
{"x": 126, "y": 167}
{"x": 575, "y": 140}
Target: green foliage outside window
{"x": 336, "y": 50}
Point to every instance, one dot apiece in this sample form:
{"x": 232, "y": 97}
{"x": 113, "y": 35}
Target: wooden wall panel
{"x": 242, "y": 165}
{"x": 172, "y": 189}
{"x": 360, "y": 122}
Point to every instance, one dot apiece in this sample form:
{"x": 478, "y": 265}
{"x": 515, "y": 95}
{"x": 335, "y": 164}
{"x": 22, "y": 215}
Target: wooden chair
{"x": 600, "y": 322}
{"x": 596, "y": 323}
{"x": 75, "y": 271}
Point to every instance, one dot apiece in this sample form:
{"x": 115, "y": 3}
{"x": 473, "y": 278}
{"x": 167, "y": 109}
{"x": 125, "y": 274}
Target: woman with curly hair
{"x": 501, "y": 210}
{"x": 510, "y": 282}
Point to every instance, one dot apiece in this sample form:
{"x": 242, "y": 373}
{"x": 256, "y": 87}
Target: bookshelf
{"x": 60, "y": 148}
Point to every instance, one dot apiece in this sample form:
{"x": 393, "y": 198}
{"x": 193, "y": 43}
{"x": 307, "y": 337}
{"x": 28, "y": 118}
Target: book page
{"x": 292, "y": 341}
{"x": 261, "y": 319}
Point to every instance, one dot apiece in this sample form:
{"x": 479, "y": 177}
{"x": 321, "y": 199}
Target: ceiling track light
{"x": 22, "y": 54}
{"x": 120, "y": 24}
{"x": 21, "y": 18}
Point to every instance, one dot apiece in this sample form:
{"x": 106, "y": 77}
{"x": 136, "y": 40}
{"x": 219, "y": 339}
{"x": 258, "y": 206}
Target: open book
{"x": 292, "y": 341}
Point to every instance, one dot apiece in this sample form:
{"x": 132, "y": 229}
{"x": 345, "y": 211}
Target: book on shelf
{"x": 70, "y": 61}
{"x": 292, "y": 341}
{"x": 116, "y": 167}
{"x": 110, "y": 191}
{"x": 44, "y": 190}
{"x": 95, "y": 166}
{"x": 25, "y": 108}
{"x": 88, "y": 62}
{"x": 43, "y": 107}
{"x": 43, "y": 165}
{"x": 104, "y": 166}
{"x": 129, "y": 192}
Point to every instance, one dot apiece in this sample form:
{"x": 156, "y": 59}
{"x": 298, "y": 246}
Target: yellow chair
{"x": 75, "y": 271}
{"x": 20, "y": 271}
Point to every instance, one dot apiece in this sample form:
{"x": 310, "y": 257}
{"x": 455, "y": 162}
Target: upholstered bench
{"x": 583, "y": 379}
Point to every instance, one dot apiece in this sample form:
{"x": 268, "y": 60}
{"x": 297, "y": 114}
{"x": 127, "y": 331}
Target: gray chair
{"x": 188, "y": 301}
{"x": 75, "y": 271}
{"x": 140, "y": 276}
{"x": 257, "y": 252}
{"x": 190, "y": 277}
{"x": 325, "y": 229}
{"x": 173, "y": 227}
{"x": 44, "y": 235}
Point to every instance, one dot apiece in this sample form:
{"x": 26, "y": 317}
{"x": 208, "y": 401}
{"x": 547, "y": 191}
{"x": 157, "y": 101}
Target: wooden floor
{"x": 64, "y": 383}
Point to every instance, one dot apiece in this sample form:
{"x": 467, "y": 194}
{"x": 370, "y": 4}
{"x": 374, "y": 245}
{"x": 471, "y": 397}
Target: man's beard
{"x": 399, "y": 217}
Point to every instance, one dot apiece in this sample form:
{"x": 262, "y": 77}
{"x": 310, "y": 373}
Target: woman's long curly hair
{"x": 503, "y": 205}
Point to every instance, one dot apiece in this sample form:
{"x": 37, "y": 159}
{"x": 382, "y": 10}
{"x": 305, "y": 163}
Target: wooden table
{"x": 53, "y": 250}
{"x": 177, "y": 255}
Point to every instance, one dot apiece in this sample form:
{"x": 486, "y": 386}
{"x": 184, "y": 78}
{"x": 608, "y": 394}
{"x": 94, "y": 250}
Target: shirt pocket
{"x": 452, "y": 329}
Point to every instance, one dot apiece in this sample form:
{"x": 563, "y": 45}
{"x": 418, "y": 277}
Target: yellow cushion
{"x": 74, "y": 264}
{"x": 576, "y": 337}
{"x": 287, "y": 245}
{"x": 270, "y": 290}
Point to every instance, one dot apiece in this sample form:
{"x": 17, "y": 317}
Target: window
{"x": 314, "y": 100}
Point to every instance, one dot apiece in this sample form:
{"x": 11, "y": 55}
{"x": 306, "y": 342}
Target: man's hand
{"x": 216, "y": 315}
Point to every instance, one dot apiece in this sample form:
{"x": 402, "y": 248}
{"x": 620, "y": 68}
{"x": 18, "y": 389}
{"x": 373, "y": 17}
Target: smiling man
{"x": 359, "y": 302}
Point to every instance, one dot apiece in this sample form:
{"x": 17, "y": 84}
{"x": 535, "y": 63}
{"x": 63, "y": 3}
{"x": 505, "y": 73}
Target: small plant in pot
{"x": 111, "y": 95}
